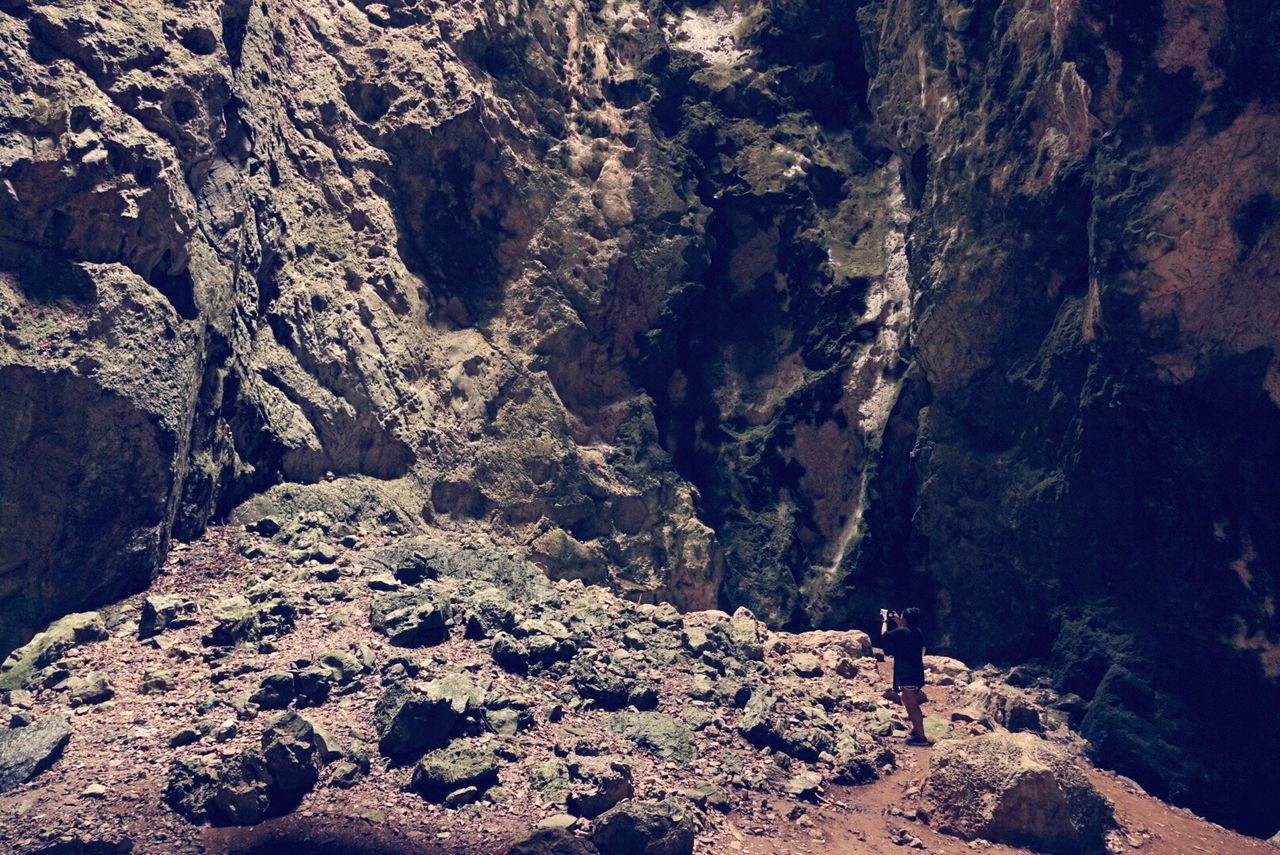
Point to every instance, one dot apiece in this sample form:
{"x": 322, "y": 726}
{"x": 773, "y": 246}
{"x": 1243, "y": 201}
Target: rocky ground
{"x": 303, "y": 687}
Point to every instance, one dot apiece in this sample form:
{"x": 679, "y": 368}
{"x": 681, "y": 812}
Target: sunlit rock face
{"x": 813, "y": 307}
{"x": 622, "y": 285}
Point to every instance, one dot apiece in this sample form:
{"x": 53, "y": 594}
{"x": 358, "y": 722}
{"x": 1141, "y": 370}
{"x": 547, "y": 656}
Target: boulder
{"x": 805, "y": 735}
{"x": 597, "y": 784}
{"x": 548, "y": 640}
{"x": 240, "y": 619}
{"x": 612, "y": 684}
{"x": 254, "y": 784}
{"x": 1006, "y": 706}
{"x": 806, "y": 665}
{"x": 551, "y": 782}
{"x": 1014, "y": 788}
{"x": 413, "y": 618}
{"x": 157, "y": 681}
{"x": 489, "y": 612}
{"x": 859, "y": 759}
{"x": 508, "y": 720}
{"x": 291, "y": 751}
{"x": 91, "y": 689}
{"x": 660, "y": 734}
{"x": 447, "y": 770}
{"x": 645, "y": 828}
{"x": 27, "y": 751}
{"x": 552, "y": 841}
{"x": 945, "y": 666}
{"x": 22, "y": 668}
{"x": 242, "y": 792}
{"x": 190, "y": 789}
{"x": 342, "y": 666}
{"x": 312, "y": 685}
{"x": 510, "y": 654}
{"x": 742, "y": 636}
{"x": 415, "y": 719}
{"x": 275, "y": 692}
{"x": 166, "y": 611}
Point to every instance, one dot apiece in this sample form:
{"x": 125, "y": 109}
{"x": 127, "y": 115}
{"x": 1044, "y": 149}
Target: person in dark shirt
{"x": 905, "y": 643}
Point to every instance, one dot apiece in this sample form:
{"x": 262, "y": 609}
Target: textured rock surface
{"x": 628, "y": 285}
{"x": 1015, "y": 789}
{"x": 1092, "y": 246}
{"x": 25, "y": 751}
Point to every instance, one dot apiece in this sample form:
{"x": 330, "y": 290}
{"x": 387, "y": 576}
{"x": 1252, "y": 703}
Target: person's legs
{"x": 911, "y": 700}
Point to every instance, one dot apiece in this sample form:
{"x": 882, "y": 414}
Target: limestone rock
{"x": 253, "y": 784}
{"x": 692, "y": 299}
{"x": 742, "y": 636}
{"x": 645, "y": 828}
{"x": 552, "y": 841}
{"x": 189, "y": 789}
{"x": 92, "y": 688}
{"x": 166, "y": 611}
{"x": 612, "y": 683}
{"x": 510, "y": 653}
{"x": 458, "y": 766}
{"x": 413, "y": 618}
{"x": 664, "y": 736}
{"x": 27, "y": 751}
{"x": 21, "y": 668}
{"x": 597, "y": 784}
{"x": 275, "y": 692}
{"x": 489, "y": 612}
{"x": 291, "y": 751}
{"x": 1015, "y": 789}
{"x": 424, "y": 716}
{"x": 240, "y": 619}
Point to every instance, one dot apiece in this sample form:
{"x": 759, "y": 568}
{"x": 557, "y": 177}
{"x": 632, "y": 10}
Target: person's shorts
{"x": 910, "y": 688}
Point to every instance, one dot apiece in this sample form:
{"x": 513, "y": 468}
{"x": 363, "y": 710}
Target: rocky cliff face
{"x": 630, "y": 285}
{"x": 1093, "y": 248}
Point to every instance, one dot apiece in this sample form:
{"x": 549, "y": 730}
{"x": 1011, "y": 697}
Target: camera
{"x": 884, "y": 614}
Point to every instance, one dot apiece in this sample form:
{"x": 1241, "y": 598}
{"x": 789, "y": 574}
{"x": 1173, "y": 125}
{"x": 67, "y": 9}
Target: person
{"x": 905, "y": 643}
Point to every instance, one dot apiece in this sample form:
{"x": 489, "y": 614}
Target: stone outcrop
{"x": 800, "y": 307}
{"x": 1016, "y": 789}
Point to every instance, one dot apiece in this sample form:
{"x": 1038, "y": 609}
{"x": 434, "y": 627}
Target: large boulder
{"x": 447, "y": 770}
{"x": 291, "y": 751}
{"x": 413, "y": 618}
{"x": 27, "y": 751}
{"x": 596, "y": 784}
{"x": 645, "y": 828}
{"x": 411, "y": 719}
{"x": 742, "y": 636}
{"x": 552, "y": 841}
{"x": 658, "y": 733}
{"x": 22, "y": 668}
{"x": 1014, "y": 788}
{"x": 612, "y": 683}
{"x": 254, "y": 784}
{"x": 261, "y": 613}
{"x": 166, "y": 611}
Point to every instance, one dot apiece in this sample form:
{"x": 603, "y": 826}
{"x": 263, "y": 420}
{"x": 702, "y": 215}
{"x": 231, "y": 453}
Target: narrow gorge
{"x": 732, "y": 318}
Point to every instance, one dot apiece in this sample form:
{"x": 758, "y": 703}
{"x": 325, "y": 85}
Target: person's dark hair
{"x": 912, "y": 617}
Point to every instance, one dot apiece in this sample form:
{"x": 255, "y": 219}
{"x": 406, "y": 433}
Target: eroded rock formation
{"x": 803, "y": 306}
